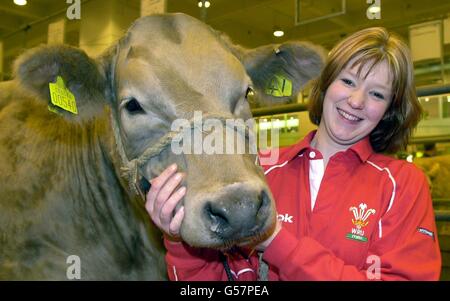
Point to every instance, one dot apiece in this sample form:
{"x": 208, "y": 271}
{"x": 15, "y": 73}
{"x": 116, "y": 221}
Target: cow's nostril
{"x": 238, "y": 214}
{"x": 264, "y": 207}
{"x": 218, "y": 217}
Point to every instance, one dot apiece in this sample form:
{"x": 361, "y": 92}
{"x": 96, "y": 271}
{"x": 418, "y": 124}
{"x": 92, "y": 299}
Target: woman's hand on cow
{"x": 162, "y": 200}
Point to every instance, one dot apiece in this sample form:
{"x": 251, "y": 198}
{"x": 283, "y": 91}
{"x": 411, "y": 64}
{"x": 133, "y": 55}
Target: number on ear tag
{"x": 61, "y": 96}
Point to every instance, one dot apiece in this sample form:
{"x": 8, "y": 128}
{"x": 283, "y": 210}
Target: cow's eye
{"x": 133, "y": 106}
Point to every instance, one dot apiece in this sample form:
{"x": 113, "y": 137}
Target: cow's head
{"x": 166, "y": 68}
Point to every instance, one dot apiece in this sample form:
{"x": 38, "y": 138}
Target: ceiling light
{"x": 20, "y": 2}
{"x": 205, "y": 3}
{"x": 278, "y": 32}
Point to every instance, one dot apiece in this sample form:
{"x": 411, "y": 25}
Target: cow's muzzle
{"x": 238, "y": 215}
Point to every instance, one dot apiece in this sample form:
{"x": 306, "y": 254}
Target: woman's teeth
{"x": 348, "y": 116}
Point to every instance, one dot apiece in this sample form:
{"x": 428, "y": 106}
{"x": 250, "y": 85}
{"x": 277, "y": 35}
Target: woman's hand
{"x": 162, "y": 200}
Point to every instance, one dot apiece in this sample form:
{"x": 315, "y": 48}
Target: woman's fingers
{"x": 175, "y": 224}
{"x": 167, "y": 210}
{"x": 166, "y": 191}
{"x": 163, "y": 198}
{"x": 157, "y": 184}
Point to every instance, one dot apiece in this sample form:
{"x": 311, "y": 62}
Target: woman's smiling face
{"x": 354, "y": 104}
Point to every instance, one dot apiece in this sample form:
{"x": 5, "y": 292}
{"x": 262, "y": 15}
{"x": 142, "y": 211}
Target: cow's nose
{"x": 239, "y": 214}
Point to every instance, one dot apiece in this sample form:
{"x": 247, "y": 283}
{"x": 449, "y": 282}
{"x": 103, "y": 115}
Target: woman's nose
{"x": 356, "y": 99}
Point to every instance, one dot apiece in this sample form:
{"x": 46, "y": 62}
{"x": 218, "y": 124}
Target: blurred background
{"x": 93, "y": 25}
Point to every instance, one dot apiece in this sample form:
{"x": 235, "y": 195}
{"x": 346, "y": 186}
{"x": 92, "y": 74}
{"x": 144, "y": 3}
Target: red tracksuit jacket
{"x": 372, "y": 219}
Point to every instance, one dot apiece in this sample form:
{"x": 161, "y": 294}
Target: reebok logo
{"x": 285, "y": 218}
{"x": 426, "y": 232}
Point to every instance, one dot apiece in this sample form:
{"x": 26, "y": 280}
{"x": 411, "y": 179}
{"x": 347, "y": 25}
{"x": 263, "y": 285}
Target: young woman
{"x": 345, "y": 210}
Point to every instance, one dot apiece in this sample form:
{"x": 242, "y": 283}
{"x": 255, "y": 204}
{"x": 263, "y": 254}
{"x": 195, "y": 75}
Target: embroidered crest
{"x": 360, "y": 220}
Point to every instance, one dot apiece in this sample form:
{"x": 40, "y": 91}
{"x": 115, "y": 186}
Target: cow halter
{"x": 132, "y": 169}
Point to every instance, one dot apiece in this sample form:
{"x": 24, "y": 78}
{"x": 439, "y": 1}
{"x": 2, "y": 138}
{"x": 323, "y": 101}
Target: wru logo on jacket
{"x": 360, "y": 221}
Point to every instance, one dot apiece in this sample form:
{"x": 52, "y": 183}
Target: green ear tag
{"x": 61, "y": 97}
{"x": 279, "y": 86}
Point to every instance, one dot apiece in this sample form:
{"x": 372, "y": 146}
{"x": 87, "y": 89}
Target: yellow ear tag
{"x": 279, "y": 86}
{"x": 61, "y": 97}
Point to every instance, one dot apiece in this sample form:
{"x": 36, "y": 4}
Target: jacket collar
{"x": 363, "y": 149}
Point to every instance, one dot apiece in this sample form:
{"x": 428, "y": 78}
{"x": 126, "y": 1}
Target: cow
{"x": 69, "y": 178}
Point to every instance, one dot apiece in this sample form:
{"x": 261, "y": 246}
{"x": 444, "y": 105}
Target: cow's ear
{"x": 279, "y": 72}
{"x": 70, "y": 66}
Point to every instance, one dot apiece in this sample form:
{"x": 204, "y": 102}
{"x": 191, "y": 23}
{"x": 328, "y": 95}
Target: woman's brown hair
{"x": 369, "y": 47}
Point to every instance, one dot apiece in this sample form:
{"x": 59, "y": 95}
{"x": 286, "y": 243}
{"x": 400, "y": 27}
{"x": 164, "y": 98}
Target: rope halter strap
{"x": 132, "y": 169}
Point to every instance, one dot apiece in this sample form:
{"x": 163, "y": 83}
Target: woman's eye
{"x": 133, "y": 106}
{"x": 347, "y": 81}
{"x": 378, "y": 95}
